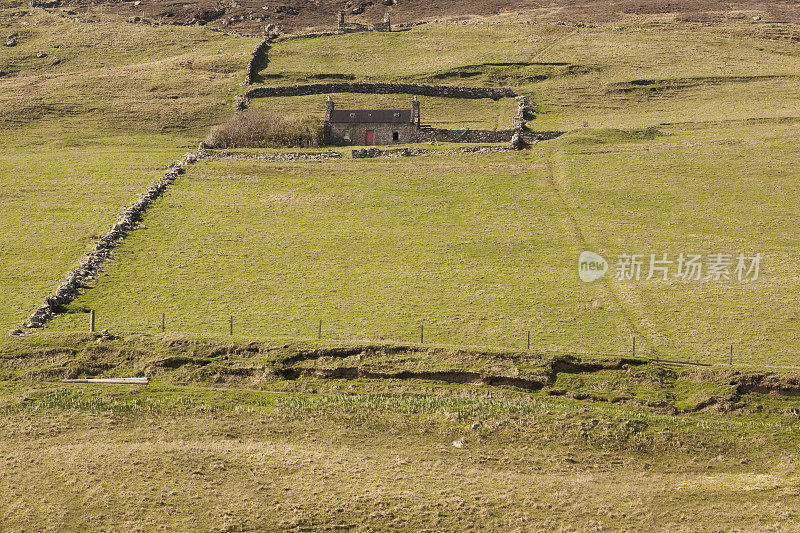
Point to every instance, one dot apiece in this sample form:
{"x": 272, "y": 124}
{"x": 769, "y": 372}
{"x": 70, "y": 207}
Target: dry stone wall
{"x": 482, "y": 136}
{"x": 444, "y": 91}
{"x": 260, "y": 53}
{"x": 128, "y": 221}
{"x": 285, "y": 156}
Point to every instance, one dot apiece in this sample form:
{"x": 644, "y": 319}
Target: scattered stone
{"x": 477, "y": 425}
{"x": 17, "y": 332}
{"x": 286, "y": 156}
{"x": 11, "y": 41}
{"x": 208, "y": 15}
{"x": 57, "y": 61}
{"x": 286, "y": 10}
{"x": 40, "y": 55}
{"x": 363, "y": 153}
{"x": 461, "y": 443}
{"x": 756, "y": 18}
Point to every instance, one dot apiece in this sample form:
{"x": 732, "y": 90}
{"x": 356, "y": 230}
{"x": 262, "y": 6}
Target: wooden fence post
{"x": 91, "y": 320}
{"x": 163, "y": 322}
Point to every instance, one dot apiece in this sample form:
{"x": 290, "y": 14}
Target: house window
{"x": 395, "y": 135}
{"x": 346, "y": 135}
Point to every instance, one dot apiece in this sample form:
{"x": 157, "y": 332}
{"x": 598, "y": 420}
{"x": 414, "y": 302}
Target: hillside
{"x": 479, "y": 249}
{"x": 249, "y": 16}
{"x": 401, "y": 342}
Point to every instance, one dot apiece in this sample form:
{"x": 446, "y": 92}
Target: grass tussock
{"x": 259, "y": 129}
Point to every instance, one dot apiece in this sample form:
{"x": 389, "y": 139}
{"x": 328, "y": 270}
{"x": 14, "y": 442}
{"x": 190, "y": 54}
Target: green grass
{"x": 438, "y": 112}
{"x": 473, "y": 247}
{"x": 574, "y": 74}
{"x": 480, "y": 249}
{"x": 83, "y": 138}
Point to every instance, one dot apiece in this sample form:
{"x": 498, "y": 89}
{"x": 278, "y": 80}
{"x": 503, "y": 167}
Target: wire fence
{"x": 420, "y": 336}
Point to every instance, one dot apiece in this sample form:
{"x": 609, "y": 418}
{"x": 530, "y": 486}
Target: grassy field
{"x": 690, "y": 146}
{"x": 219, "y": 441}
{"x": 479, "y": 248}
{"x": 84, "y": 137}
{"x": 481, "y": 113}
{"x": 629, "y": 78}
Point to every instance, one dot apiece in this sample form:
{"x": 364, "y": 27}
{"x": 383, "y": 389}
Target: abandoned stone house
{"x": 357, "y": 127}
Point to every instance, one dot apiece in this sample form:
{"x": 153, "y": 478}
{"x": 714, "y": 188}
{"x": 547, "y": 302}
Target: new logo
{"x": 591, "y": 266}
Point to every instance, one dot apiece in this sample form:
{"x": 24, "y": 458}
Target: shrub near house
{"x": 257, "y": 129}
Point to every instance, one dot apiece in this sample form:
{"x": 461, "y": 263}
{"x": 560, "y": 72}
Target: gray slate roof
{"x": 371, "y": 115}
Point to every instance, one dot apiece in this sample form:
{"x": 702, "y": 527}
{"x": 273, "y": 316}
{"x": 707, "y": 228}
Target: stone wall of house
{"x": 383, "y": 133}
{"x": 444, "y": 91}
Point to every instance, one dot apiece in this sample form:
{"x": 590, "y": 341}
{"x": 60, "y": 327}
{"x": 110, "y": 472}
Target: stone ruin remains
{"x": 352, "y": 27}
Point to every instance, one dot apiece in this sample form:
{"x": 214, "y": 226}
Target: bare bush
{"x": 258, "y": 129}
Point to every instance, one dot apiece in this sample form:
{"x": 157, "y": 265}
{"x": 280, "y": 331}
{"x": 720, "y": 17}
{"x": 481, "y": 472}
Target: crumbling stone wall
{"x": 444, "y": 91}
{"x": 90, "y": 265}
{"x": 260, "y": 54}
{"x": 353, "y": 27}
{"x": 482, "y": 136}
{"x": 524, "y": 111}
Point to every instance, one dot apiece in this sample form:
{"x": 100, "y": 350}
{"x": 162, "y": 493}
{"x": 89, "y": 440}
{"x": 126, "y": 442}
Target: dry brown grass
{"x": 259, "y": 129}
{"x": 73, "y": 470}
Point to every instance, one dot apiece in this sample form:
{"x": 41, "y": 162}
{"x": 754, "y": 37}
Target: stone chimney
{"x": 415, "y": 111}
{"x": 328, "y": 109}
{"x": 340, "y": 21}
{"x": 388, "y": 21}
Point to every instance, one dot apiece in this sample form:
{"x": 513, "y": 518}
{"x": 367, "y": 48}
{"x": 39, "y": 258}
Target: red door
{"x": 370, "y": 137}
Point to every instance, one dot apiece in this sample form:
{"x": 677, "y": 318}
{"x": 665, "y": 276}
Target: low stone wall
{"x": 366, "y": 153}
{"x": 482, "y": 136}
{"x": 90, "y": 265}
{"x": 285, "y": 156}
{"x": 465, "y": 136}
{"x": 259, "y": 53}
{"x": 444, "y": 91}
